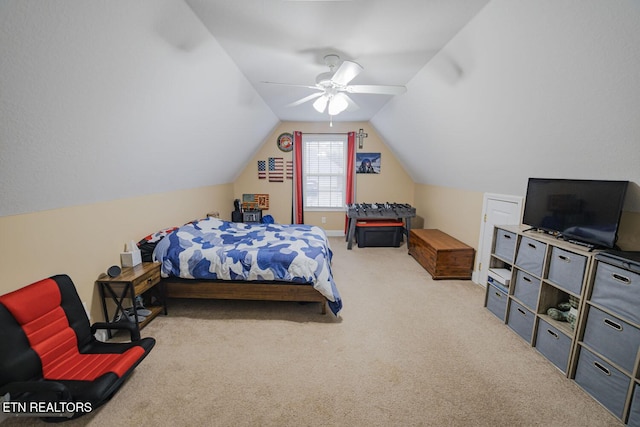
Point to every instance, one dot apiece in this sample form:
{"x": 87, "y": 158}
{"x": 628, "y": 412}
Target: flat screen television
{"x": 583, "y": 211}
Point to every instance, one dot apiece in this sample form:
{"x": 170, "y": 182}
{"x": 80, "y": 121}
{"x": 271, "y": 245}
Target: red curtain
{"x": 298, "y": 208}
{"x": 351, "y": 161}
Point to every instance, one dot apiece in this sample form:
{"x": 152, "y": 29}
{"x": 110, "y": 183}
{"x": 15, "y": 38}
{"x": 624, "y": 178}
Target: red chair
{"x": 51, "y": 365}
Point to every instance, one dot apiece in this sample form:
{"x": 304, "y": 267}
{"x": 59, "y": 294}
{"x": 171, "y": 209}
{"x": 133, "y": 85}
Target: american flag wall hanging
{"x": 262, "y": 169}
{"x": 276, "y": 174}
{"x": 289, "y": 169}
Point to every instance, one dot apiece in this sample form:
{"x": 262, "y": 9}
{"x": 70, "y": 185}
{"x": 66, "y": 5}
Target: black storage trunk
{"x": 379, "y": 233}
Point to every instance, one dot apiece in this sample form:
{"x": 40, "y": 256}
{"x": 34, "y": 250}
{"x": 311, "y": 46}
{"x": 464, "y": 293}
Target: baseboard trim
{"x": 334, "y": 233}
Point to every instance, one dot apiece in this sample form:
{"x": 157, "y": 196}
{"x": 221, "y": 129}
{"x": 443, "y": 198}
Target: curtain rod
{"x": 325, "y": 133}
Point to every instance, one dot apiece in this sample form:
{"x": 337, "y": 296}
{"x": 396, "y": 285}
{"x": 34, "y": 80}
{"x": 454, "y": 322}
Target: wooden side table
{"x": 131, "y": 282}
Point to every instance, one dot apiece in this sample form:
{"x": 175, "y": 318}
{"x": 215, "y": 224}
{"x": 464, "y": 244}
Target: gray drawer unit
{"x": 531, "y": 256}
{"x": 566, "y": 269}
{"x": 526, "y": 289}
{"x": 618, "y": 290}
{"x": 553, "y": 344}
{"x": 505, "y": 244}
{"x": 612, "y": 338}
{"x": 634, "y": 412}
{"x": 602, "y": 381}
{"x": 521, "y": 320}
{"x": 497, "y": 301}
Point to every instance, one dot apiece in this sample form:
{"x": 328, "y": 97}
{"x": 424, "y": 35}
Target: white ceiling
{"x": 286, "y": 40}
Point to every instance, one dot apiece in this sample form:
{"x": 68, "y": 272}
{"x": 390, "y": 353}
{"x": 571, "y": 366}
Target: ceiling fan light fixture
{"x": 337, "y": 104}
{"x": 332, "y": 88}
{"x": 320, "y": 104}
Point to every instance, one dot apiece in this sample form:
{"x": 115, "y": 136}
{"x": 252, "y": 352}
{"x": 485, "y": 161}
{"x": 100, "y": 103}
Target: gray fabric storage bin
{"x": 497, "y": 301}
{"x": 521, "y": 320}
{"x": 553, "y": 344}
{"x": 505, "y": 244}
{"x": 618, "y": 290}
{"x": 602, "y": 381}
{"x": 526, "y": 289}
{"x": 634, "y": 412}
{"x": 566, "y": 269}
{"x": 531, "y": 256}
{"x": 612, "y": 338}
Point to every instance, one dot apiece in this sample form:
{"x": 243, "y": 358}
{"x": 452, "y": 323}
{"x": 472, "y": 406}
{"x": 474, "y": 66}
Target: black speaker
{"x": 114, "y": 271}
{"x": 236, "y": 216}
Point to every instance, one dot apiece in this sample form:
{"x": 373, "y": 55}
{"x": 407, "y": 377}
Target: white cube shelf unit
{"x": 600, "y": 350}
{"x": 609, "y": 338}
{"x": 545, "y": 272}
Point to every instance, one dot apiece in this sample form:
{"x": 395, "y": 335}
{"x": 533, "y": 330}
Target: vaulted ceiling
{"x": 285, "y": 41}
{"x": 104, "y": 100}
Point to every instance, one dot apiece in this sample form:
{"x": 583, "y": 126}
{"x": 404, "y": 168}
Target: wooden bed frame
{"x": 212, "y": 289}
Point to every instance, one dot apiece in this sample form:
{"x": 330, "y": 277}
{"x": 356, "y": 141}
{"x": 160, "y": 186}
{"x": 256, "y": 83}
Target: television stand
{"x": 579, "y": 243}
{"x": 555, "y": 234}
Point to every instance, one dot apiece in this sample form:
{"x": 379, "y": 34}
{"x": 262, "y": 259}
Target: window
{"x": 324, "y": 172}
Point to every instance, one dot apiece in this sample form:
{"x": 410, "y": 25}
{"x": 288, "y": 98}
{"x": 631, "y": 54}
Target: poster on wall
{"x": 368, "y": 162}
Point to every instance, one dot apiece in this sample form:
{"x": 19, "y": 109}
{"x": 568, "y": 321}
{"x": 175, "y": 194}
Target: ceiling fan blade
{"x": 305, "y": 99}
{"x": 290, "y": 85}
{"x": 377, "y": 89}
{"x": 352, "y": 105}
{"x": 347, "y": 71}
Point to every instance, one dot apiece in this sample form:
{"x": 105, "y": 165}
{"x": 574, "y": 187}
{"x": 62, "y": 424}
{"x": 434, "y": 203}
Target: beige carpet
{"x": 406, "y": 351}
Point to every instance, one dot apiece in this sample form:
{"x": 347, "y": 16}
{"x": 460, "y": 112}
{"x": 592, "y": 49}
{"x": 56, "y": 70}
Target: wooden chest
{"x": 441, "y": 255}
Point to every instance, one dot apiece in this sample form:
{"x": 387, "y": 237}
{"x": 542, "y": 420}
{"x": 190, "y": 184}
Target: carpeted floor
{"x": 406, "y": 351}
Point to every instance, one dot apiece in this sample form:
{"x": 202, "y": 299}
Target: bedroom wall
{"x": 393, "y": 184}
{"x": 451, "y": 210}
{"x": 105, "y": 100}
{"x": 459, "y": 212}
{"x": 529, "y": 88}
{"x": 83, "y": 241}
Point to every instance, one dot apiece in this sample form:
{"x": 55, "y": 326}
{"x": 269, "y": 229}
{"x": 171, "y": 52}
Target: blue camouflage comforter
{"x": 216, "y": 249}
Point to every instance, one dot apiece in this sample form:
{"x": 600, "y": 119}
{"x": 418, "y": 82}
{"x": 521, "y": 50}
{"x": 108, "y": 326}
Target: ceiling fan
{"x": 333, "y": 87}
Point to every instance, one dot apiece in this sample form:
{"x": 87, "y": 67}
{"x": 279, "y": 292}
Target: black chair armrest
{"x": 19, "y": 387}
{"x": 133, "y": 329}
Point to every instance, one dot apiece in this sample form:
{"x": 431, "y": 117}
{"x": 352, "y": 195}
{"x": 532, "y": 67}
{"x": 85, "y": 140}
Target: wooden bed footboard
{"x": 211, "y": 289}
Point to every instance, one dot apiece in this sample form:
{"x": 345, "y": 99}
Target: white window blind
{"x": 324, "y": 173}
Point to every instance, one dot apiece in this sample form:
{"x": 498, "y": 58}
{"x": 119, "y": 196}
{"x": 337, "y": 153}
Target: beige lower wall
{"x": 458, "y": 213}
{"x": 629, "y": 231}
{"x": 453, "y": 211}
{"x": 393, "y": 184}
{"x": 83, "y": 241}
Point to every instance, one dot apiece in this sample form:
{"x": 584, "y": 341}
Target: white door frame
{"x": 492, "y": 196}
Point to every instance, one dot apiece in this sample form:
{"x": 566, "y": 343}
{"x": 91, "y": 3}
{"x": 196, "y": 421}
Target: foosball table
{"x": 378, "y": 211}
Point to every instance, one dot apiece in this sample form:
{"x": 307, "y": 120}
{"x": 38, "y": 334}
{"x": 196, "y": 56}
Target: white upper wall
{"x": 102, "y": 100}
{"x": 542, "y": 88}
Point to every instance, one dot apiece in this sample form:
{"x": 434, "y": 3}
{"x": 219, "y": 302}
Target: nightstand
{"x": 131, "y": 282}
{"x": 247, "y": 216}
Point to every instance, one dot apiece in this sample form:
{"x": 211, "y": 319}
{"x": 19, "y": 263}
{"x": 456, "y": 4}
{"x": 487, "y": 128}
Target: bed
{"x": 212, "y": 258}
